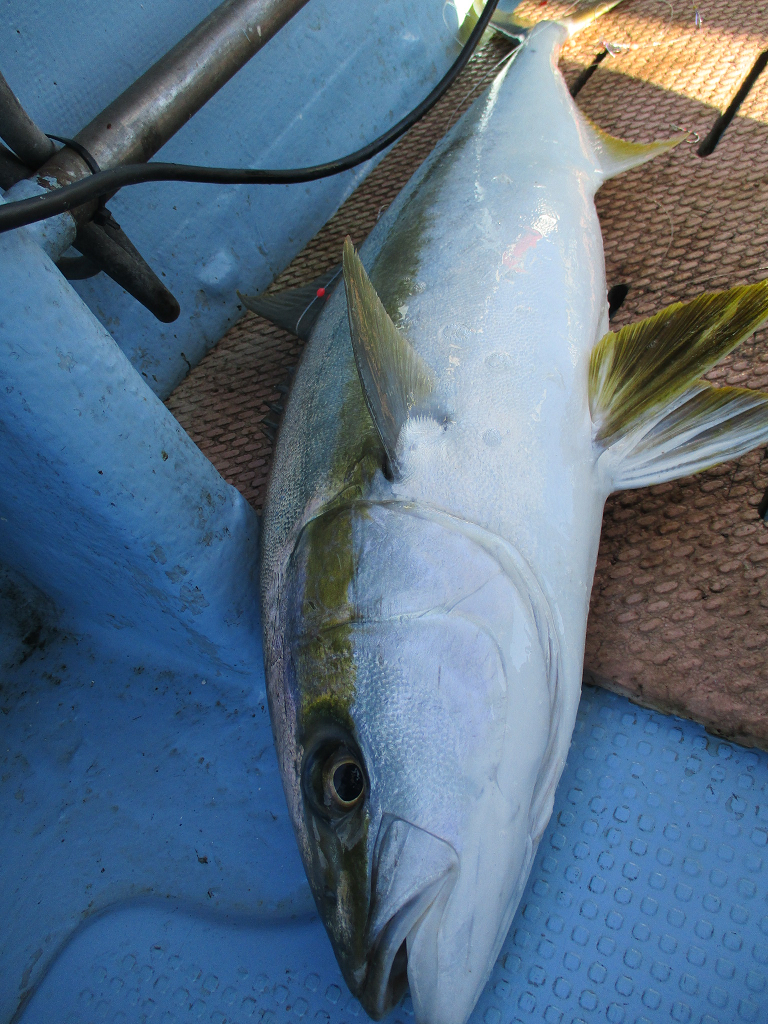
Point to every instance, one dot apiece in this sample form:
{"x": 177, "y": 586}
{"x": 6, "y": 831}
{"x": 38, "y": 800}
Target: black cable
{"x": 27, "y": 211}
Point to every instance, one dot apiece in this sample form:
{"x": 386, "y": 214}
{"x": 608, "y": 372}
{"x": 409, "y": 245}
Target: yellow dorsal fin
{"x": 647, "y": 365}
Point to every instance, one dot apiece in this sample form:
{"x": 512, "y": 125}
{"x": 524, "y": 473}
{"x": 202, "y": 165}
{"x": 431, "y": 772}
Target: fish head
{"x": 416, "y": 715}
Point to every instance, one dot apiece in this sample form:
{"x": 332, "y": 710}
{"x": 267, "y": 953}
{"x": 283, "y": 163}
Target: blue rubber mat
{"x": 648, "y": 902}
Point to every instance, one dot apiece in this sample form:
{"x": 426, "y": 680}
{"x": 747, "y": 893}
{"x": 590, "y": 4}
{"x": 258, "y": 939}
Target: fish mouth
{"x": 413, "y": 873}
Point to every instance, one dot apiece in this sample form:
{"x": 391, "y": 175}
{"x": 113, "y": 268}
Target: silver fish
{"x": 459, "y": 417}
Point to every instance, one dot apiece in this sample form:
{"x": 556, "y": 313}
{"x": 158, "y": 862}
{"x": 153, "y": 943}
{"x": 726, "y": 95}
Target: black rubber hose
{"x": 28, "y": 211}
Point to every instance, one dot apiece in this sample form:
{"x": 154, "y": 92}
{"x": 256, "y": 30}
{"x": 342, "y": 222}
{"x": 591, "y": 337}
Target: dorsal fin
{"x": 396, "y": 381}
{"x": 651, "y": 411}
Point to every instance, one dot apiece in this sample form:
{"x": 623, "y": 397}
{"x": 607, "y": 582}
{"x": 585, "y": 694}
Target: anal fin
{"x": 614, "y": 156}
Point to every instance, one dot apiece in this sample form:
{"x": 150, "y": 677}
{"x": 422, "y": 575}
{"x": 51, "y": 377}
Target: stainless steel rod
{"x": 149, "y": 112}
{"x": 20, "y": 132}
{"x": 141, "y": 120}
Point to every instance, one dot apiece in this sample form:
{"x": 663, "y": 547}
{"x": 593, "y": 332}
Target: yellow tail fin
{"x": 651, "y": 412}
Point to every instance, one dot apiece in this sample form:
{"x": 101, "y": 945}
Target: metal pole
{"x": 21, "y": 133}
{"x": 135, "y": 125}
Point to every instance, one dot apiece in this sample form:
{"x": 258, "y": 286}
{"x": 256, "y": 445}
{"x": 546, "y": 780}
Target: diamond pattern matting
{"x": 648, "y": 902}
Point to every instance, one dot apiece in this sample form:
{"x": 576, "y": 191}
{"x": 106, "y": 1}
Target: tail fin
{"x": 653, "y": 415}
{"x": 503, "y": 21}
{"x": 295, "y": 309}
{"x": 588, "y": 13}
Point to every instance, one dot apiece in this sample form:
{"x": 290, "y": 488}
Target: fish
{"x": 459, "y": 416}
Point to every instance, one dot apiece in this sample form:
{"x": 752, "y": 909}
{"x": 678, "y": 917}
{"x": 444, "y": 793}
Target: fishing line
{"x": 321, "y": 293}
{"x": 671, "y": 227}
{"x": 617, "y": 48}
{"x": 689, "y": 131}
{"x": 27, "y": 211}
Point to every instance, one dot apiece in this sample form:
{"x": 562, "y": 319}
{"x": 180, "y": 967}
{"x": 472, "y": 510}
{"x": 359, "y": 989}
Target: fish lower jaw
{"x": 441, "y": 997}
{"x": 386, "y": 980}
{"x": 447, "y": 969}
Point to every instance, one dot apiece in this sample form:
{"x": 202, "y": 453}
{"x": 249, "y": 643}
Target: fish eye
{"x": 334, "y": 776}
{"x": 343, "y": 781}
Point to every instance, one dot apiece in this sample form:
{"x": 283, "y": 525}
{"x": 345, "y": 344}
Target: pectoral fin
{"x": 295, "y": 309}
{"x": 396, "y": 381}
{"x": 652, "y": 414}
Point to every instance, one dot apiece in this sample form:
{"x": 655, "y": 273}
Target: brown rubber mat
{"x": 679, "y": 616}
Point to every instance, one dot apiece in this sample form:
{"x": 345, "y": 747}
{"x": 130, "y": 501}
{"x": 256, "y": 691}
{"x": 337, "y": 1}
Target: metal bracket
{"x": 103, "y": 243}
{"x": 107, "y": 247}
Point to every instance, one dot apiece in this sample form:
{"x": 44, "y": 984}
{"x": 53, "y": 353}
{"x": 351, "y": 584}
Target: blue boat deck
{"x": 647, "y": 903}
